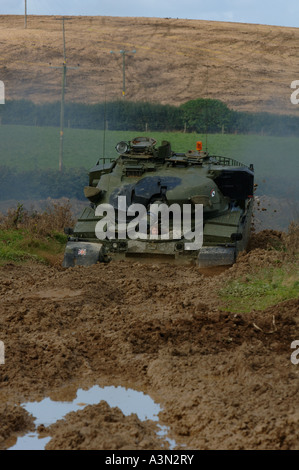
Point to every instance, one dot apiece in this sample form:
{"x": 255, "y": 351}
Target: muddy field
{"x": 223, "y": 380}
{"x": 249, "y": 67}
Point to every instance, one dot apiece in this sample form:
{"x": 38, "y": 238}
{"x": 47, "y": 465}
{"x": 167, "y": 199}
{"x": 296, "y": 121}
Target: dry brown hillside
{"x": 250, "y": 67}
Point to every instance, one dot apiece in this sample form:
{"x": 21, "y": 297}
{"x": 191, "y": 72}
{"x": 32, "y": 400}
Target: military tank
{"x": 145, "y": 175}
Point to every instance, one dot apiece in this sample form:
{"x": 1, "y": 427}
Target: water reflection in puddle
{"x": 48, "y": 411}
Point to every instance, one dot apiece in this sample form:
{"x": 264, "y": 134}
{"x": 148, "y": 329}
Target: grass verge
{"x": 20, "y": 245}
{"x": 261, "y": 289}
{"x": 269, "y": 273}
{"x": 35, "y": 237}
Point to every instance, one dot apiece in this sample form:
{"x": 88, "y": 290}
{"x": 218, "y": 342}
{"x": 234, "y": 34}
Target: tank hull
{"x": 211, "y": 254}
{"x": 143, "y": 176}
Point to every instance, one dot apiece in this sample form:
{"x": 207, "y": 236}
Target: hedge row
{"x": 200, "y": 115}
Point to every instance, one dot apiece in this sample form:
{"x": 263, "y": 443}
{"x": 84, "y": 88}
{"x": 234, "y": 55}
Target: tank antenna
{"x": 104, "y": 135}
{"x": 206, "y": 108}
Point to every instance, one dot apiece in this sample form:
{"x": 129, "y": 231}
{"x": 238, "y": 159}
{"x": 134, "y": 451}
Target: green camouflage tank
{"x": 147, "y": 175}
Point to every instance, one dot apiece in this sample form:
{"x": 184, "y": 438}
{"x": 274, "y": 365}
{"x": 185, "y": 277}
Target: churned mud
{"x": 223, "y": 380}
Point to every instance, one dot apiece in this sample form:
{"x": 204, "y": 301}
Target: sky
{"x": 270, "y": 12}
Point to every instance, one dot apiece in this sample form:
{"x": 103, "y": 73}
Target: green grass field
{"x": 26, "y": 147}
{"x": 275, "y": 159}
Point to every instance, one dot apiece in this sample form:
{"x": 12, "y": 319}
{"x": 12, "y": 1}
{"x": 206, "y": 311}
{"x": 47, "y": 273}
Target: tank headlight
{"x": 122, "y": 147}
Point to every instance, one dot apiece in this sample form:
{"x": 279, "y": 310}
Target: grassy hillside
{"x": 249, "y": 67}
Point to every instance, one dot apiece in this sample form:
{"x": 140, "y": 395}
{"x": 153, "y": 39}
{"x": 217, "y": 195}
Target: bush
{"x": 51, "y": 222}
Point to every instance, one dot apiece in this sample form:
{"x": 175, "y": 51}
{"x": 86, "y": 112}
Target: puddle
{"x": 129, "y": 401}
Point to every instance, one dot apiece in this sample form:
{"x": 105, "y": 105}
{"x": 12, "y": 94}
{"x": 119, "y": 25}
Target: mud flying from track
{"x": 223, "y": 380}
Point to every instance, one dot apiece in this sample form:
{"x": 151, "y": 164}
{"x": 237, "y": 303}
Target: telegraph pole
{"x": 123, "y": 52}
{"x": 25, "y": 24}
{"x": 64, "y": 68}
